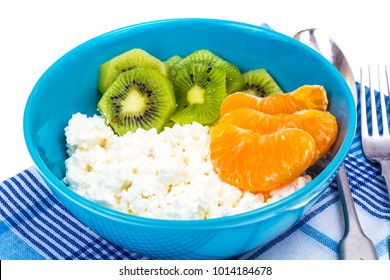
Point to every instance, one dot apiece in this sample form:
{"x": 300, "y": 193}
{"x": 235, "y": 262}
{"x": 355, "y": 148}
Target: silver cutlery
{"x": 376, "y": 144}
{"x": 355, "y": 244}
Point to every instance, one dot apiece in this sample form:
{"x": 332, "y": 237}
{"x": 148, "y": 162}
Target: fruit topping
{"x": 260, "y": 144}
{"x": 138, "y": 98}
{"x": 260, "y": 83}
{"x": 304, "y": 97}
{"x": 126, "y": 61}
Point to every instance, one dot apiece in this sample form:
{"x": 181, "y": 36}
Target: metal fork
{"x": 376, "y": 142}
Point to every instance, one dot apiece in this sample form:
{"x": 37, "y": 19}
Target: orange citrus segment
{"x": 304, "y": 97}
{"x": 322, "y": 126}
{"x": 260, "y": 162}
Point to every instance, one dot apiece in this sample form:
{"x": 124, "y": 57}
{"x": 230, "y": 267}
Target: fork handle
{"x": 385, "y": 164}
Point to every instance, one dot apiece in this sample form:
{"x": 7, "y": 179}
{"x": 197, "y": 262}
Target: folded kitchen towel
{"x": 35, "y": 225}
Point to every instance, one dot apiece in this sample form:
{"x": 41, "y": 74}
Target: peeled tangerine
{"x": 253, "y": 161}
{"x": 322, "y": 126}
{"x": 261, "y": 144}
{"x": 304, "y": 97}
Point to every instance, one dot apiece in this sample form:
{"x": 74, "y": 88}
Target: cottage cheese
{"x": 165, "y": 175}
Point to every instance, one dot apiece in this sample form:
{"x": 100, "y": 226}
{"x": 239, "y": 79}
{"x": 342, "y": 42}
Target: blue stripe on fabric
{"x": 373, "y": 209}
{"x": 366, "y": 195}
{"x": 355, "y": 150}
{"x": 94, "y": 240}
{"x": 373, "y": 213}
{"x": 368, "y": 188}
{"x": 63, "y": 216}
{"x": 16, "y": 222}
{"x": 35, "y": 210}
{"x": 47, "y": 215}
{"x": 297, "y": 226}
{"x": 382, "y": 247}
{"x": 320, "y": 237}
{"x": 363, "y": 176}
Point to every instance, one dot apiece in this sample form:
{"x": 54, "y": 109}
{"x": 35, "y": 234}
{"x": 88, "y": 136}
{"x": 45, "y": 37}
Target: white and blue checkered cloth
{"x": 35, "y": 225}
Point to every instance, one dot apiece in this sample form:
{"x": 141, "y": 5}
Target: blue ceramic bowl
{"x": 69, "y": 86}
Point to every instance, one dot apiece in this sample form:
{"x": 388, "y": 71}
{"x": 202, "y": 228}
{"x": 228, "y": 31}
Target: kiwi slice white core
{"x": 196, "y": 95}
{"x": 134, "y": 103}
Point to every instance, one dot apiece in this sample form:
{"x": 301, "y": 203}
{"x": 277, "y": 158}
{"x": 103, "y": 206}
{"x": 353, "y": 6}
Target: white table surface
{"x": 36, "y": 33}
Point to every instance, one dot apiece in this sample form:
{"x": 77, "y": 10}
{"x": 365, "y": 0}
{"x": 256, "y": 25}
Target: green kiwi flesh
{"x": 234, "y": 80}
{"x": 260, "y": 83}
{"x": 138, "y": 98}
{"x": 172, "y": 61}
{"x": 126, "y": 61}
{"x": 199, "y": 90}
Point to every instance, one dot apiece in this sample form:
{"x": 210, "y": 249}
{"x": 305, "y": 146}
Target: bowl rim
{"x": 284, "y": 204}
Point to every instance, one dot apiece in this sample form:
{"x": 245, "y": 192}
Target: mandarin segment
{"x": 322, "y": 126}
{"x": 260, "y": 162}
{"x": 304, "y": 97}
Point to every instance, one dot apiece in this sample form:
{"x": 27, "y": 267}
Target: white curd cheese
{"x": 165, "y": 175}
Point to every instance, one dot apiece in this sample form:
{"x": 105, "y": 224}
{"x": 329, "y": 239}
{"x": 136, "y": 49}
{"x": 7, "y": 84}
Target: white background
{"x": 34, "y": 34}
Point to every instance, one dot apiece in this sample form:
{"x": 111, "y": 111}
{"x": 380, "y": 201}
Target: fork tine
{"x": 384, "y": 90}
{"x": 373, "y": 76}
{"x": 363, "y": 112}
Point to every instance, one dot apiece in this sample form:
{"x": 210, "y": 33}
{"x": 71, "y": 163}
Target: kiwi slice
{"x": 199, "y": 91}
{"x": 126, "y": 61}
{"x": 138, "y": 98}
{"x": 260, "y": 83}
{"x": 234, "y": 80}
{"x": 172, "y": 61}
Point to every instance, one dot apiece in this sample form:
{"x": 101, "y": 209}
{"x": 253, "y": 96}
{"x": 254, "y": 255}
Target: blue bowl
{"x": 69, "y": 86}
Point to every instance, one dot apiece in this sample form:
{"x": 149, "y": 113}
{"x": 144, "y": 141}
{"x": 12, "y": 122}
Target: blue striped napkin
{"x": 35, "y": 225}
